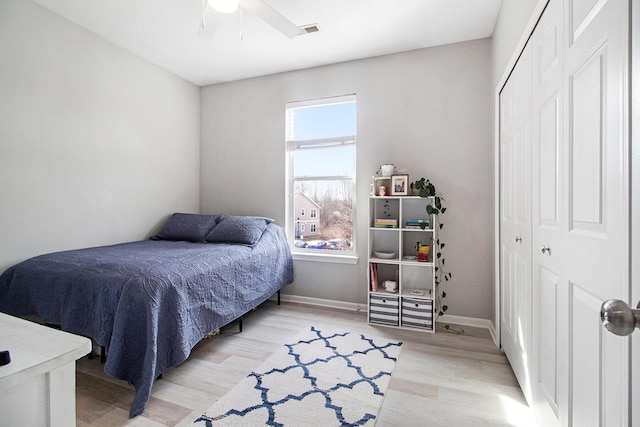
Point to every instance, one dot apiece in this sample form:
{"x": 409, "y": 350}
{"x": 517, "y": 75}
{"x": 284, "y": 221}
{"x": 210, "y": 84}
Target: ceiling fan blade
{"x": 208, "y": 24}
{"x": 271, "y": 17}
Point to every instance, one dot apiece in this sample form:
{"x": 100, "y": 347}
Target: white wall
{"x": 96, "y": 145}
{"x": 427, "y": 111}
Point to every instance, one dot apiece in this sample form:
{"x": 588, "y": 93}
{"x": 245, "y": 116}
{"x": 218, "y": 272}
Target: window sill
{"x": 325, "y": 257}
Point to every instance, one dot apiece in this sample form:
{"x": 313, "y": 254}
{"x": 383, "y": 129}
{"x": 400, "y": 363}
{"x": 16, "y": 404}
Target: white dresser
{"x": 38, "y": 387}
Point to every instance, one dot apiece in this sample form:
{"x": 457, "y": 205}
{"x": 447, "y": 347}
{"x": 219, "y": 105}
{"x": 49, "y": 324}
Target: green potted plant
{"x": 425, "y": 188}
{"x": 415, "y": 191}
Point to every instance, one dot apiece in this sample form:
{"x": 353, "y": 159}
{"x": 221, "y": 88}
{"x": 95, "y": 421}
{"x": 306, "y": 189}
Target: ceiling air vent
{"x": 311, "y": 28}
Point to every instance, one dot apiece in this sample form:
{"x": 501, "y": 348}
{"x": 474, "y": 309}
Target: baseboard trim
{"x": 470, "y": 321}
{"x": 351, "y": 306}
{"x": 320, "y": 302}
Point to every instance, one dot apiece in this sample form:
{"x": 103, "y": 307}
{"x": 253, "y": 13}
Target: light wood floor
{"x": 441, "y": 379}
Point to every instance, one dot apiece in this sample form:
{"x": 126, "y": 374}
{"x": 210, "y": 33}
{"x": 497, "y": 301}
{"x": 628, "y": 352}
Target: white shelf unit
{"x": 411, "y": 306}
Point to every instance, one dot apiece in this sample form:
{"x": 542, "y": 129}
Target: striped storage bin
{"x": 417, "y": 313}
{"x": 384, "y": 309}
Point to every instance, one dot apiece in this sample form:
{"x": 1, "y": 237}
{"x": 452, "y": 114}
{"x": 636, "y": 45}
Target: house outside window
{"x": 321, "y": 157}
{"x": 302, "y": 223}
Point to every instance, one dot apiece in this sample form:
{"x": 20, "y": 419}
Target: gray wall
{"x": 96, "y": 145}
{"x": 427, "y": 111}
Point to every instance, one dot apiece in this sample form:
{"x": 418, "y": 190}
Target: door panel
{"x": 585, "y": 341}
{"x": 548, "y": 349}
{"x": 549, "y": 47}
{"x": 522, "y": 273}
{"x": 507, "y": 300}
{"x": 586, "y": 146}
{"x": 597, "y": 237}
{"x": 581, "y": 15}
{"x": 522, "y": 174}
{"x": 549, "y": 179}
{"x": 515, "y": 224}
{"x": 548, "y": 215}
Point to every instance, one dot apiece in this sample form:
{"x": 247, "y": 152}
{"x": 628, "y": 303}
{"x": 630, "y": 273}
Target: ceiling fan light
{"x": 224, "y": 6}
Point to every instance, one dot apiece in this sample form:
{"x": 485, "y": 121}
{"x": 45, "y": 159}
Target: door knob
{"x": 518, "y": 239}
{"x": 619, "y": 318}
{"x": 545, "y": 249}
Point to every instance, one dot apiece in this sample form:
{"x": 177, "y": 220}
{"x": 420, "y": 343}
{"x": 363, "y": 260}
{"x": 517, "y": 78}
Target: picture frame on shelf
{"x": 399, "y": 184}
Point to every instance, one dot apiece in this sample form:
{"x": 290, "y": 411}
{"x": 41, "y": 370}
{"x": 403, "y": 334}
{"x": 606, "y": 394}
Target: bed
{"x": 151, "y": 301}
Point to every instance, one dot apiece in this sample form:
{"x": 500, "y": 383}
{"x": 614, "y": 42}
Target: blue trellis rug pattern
{"x": 323, "y": 378}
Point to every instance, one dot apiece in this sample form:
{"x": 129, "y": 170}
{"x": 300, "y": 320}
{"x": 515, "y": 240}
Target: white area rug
{"x": 321, "y": 379}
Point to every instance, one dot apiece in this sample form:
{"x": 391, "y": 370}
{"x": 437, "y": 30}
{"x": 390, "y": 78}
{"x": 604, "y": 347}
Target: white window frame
{"x": 320, "y": 255}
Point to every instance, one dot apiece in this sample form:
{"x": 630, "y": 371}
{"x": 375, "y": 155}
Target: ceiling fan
{"x": 211, "y": 10}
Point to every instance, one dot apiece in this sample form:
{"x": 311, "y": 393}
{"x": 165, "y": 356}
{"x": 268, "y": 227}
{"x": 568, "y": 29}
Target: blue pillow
{"x": 189, "y": 227}
{"x": 244, "y": 230}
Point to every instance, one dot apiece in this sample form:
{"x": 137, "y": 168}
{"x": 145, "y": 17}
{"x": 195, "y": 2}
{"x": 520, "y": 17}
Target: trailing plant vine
{"x": 442, "y": 275}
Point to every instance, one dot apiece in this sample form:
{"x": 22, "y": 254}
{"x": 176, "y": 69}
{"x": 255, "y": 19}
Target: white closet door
{"x": 635, "y": 210}
{"x": 515, "y": 217}
{"x": 597, "y": 209}
{"x": 564, "y": 112}
{"x": 549, "y": 223}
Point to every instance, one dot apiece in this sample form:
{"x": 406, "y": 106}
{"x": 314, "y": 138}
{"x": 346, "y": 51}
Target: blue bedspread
{"x": 150, "y": 301}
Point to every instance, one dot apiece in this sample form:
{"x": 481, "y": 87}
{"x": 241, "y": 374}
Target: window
{"x": 321, "y": 160}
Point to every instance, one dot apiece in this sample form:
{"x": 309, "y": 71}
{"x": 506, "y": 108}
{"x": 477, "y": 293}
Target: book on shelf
{"x": 386, "y": 223}
{"x": 374, "y": 276}
{"x": 416, "y": 224}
